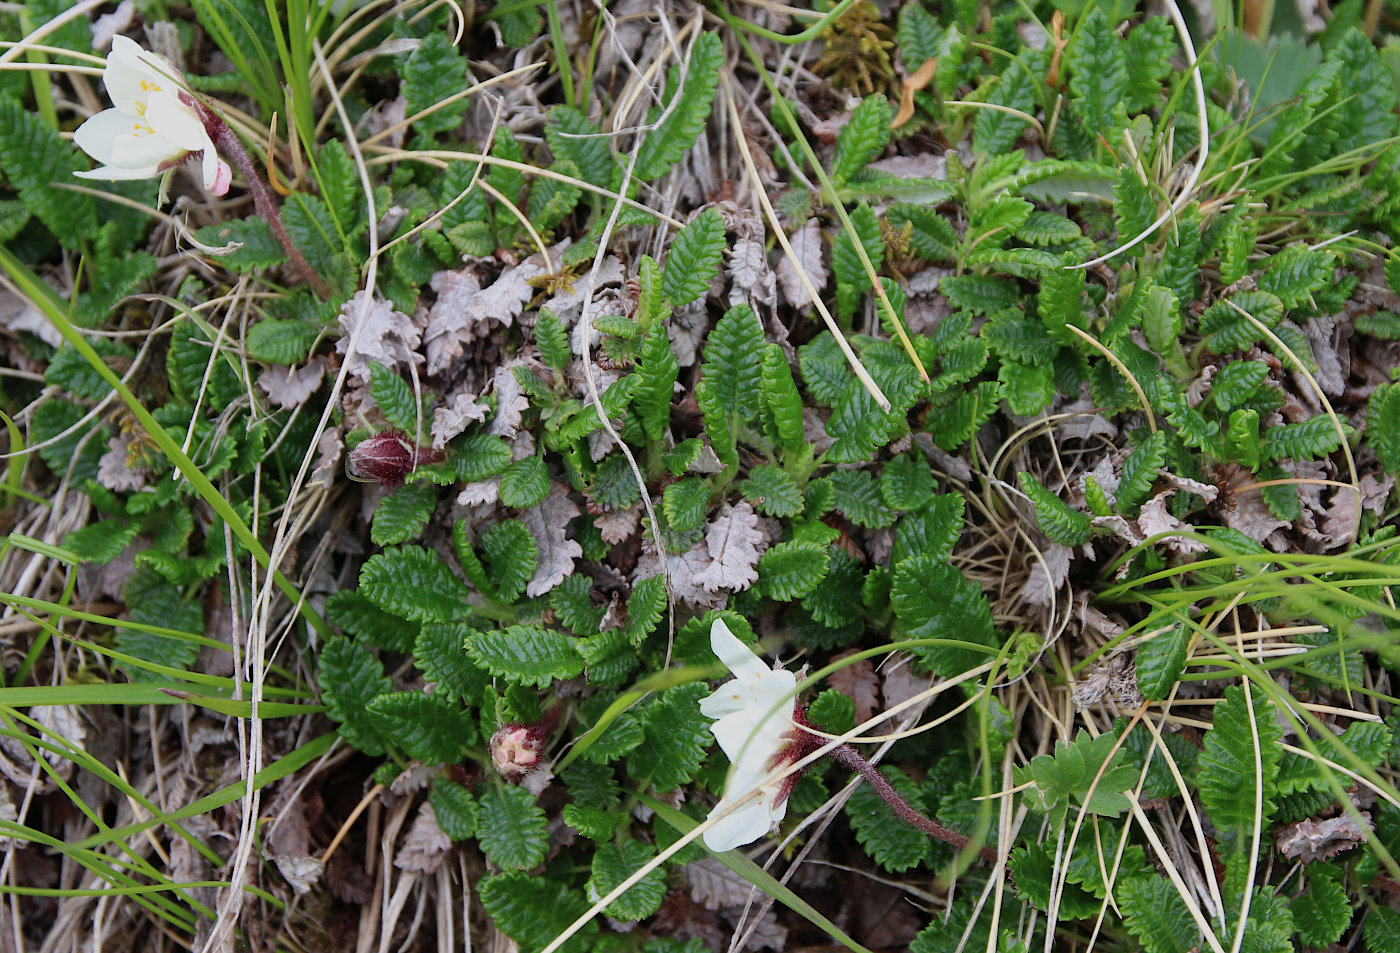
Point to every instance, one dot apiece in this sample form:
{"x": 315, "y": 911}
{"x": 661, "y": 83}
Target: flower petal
{"x": 736, "y": 656}
{"x": 116, "y": 173}
{"x": 744, "y": 825}
{"x": 133, "y": 74}
{"x": 96, "y": 135}
{"x": 177, "y": 122}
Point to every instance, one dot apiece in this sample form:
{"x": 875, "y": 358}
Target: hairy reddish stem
{"x": 848, "y": 757}
{"x": 228, "y": 143}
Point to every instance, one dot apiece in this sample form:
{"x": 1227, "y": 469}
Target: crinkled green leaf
{"x": 694, "y": 258}
{"x": 534, "y": 910}
{"x": 1159, "y": 662}
{"x": 686, "y": 106}
{"x": 527, "y": 654}
{"x": 1057, "y": 520}
{"x": 402, "y": 514}
{"x": 440, "y": 652}
{"x": 512, "y": 829}
{"x": 1239, "y": 763}
{"x": 350, "y": 678}
{"x": 415, "y": 584}
{"x": 862, "y": 138}
{"x": 525, "y": 483}
{"x": 792, "y": 569}
{"x": 455, "y": 808}
{"x": 933, "y": 600}
{"x": 677, "y": 737}
{"x": 427, "y": 727}
{"x": 857, "y": 496}
{"x": 889, "y": 841}
{"x": 612, "y": 864}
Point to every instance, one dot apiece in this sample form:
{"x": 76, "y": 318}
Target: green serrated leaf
{"x": 782, "y": 402}
{"x": 772, "y": 491}
{"x": 907, "y": 482}
{"x": 511, "y": 557}
{"x": 33, "y": 158}
{"x": 527, "y": 655}
{"x": 1140, "y": 470}
{"x": 552, "y": 338}
{"x": 394, "y": 397}
{"x": 534, "y": 910}
{"x": 857, "y": 495}
{"x": 350, "y": 678}
{"x": 1305, "y": 440}
{"x": 1321, "y": 913}
{"x": 455, "y": 808}
{"x": 614, "y": 863}
{"x": 862, "y": 138}
{"x": 792, "y": 569}
{"x": 258, "y": 247}
{"x": 1098, "y": 69}
{"x": 427, "y": 727}
{"x": 933, "y": 600}
{"x": 686, "y": 503}
{"x": 1236, "y": 383}
{"x": 657, "y": 371}
{"x": 101, "y": 542}
{"x": 282, "y": 340}
{"x": 401, "y": 515}
{"x": 931, "y": 236}
{"x": 573, "y": 137}
{"x": 431, "y": 74}
{"x": 832, "y": 712}
{"x": 1057, "y": 520}
{"x": 1155, "y": 914}
{"x": 512, "y": 828}
{"x": 1239, "y": 764}
{"x": 415, "y": 584}
{"x": 846, "y": 265}
{"x": 686, "y": 106}
{"x": 525, "y": 483}
{"x": 1160, "y": 660}
{"x": 677, "y": 736}
{"x": 440, "y": 652}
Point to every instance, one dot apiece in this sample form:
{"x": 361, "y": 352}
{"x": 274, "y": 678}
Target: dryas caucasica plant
{"x": 157, "y": 123}
{"x": 762, "y": 728}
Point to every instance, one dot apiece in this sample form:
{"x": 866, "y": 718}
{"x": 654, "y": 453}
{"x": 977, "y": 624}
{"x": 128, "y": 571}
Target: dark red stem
{"x": 848, "y": 757}
{"x": 228, "y": 144}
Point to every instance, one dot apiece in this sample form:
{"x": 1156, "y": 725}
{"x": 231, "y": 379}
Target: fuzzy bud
{"x": 515, "y": 750}
{"x": 388, "y": 457}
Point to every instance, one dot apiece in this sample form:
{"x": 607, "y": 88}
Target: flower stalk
{"x": 228, "y": 143}
{"x": 848, "y": 757}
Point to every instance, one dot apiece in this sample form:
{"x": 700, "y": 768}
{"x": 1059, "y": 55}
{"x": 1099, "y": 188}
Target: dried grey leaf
{"x": 715, "y": 886}
{"x": 548, "y": 522}
{"x": 1046, "y": 576}
{"x": 618, "y": 525}
{"x": 450, "y": 320}
{"x": 735, "y": 543}
{"x": 387, "y": 336}
{"x": 112, "y": 471}
{"x": 425, "y": 846}
{"x": 807, "y": 248}
{"x": 461, "y": 410}
{"x": 289, "y": 387}
{"x": 1311, "y": 840}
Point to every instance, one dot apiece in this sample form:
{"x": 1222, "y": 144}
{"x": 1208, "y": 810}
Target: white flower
{"x": 150, "y": 129}
{"x": 755, "y": 729}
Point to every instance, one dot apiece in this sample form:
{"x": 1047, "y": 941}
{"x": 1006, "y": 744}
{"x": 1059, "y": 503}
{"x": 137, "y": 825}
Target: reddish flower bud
{"x": 388, "y": 457}
{"x": 515, "y": 749}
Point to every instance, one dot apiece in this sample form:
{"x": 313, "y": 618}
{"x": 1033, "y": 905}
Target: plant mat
{"x": 1024, "y": 372}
